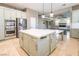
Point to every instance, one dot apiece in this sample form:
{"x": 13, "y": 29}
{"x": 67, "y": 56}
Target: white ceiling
{"x": 39, "y": 6}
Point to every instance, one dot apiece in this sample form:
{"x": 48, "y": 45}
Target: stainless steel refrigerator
{"x": 21, "y": 24}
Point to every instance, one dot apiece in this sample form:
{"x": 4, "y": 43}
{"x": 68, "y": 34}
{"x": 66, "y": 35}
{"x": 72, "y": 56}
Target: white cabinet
{"x": 23, "y": 14}
{"x": 53, "y": 41}
{"x": 2, "y": 23}
{"x": 7, "y": 14}
{"x": 13, "y": 14}
{"x": 34, "y": 46}
{"x": 25, "y": 42}
{"x": 74, "y": 33}
{"x": 21, "y": 39}
{"x": 39, "y": 42}
{"x": 18, "y": 14}
{"x": 10, "y": 14}
{"x": 75, "y": 16}
{"x": 43, "y": 46}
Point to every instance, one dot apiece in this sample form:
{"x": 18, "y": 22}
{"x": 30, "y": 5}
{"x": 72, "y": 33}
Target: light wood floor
{"x": 68, "y": 47}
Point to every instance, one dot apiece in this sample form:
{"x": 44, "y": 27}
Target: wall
{"x": 31, "y": 13}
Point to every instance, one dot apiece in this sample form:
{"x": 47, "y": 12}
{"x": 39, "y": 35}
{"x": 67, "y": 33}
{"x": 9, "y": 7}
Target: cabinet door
{"x": 26, "y": 43}
{"x": 13, "y": 14}
{"x": 7, "y": 13}
{"x": 74, "y": 33}
{"x": 29, "y": 45}
{"x": 75, "y": 16}
{"x": 23, "y": 14}
{"x": 18, "y": 14}
{"x": 32, "y": 47}
{"x": 2, "y": 35}
{"x": 21, "y": 39}
{"x": 53, "y": 41}
{"x": 43, "y": 46}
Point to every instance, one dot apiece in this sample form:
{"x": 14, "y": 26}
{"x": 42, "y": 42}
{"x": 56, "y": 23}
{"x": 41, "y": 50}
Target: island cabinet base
{"x": 38, "y": 42}
{"x": 33, "y": 46}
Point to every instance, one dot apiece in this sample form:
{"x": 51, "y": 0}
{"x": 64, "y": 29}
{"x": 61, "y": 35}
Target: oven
{"x": 62, "y": 25}
{"x": 9, "y": 28}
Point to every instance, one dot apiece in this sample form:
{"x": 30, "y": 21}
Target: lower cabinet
{"x": 21, "y": 39}
{"x": 43, "y": 46}
{"x": 53, "y": 42}
{"x": 28, "y": 44}
{"x": 37, "y": 47}
{"x": 74, "y": 33}
{"x": 25, "y": 42}
{"x": 32, "y": 47}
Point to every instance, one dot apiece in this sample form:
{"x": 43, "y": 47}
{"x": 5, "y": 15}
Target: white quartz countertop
{"x": 38, "y": 33}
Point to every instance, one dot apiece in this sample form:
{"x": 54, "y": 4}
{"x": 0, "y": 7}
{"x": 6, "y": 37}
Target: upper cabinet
{"x": 7, "y": 14}
{"x": 75, "y": 16}
{"x": 1, "y": 12}
{"x": 75, "y": 19}
{"x": 13, "y": 14}
{"x": 18, "y": 14}
{"x": 23, "y": 14}
{"x": 2, "y": 35}
{"x": 10, "y": 13}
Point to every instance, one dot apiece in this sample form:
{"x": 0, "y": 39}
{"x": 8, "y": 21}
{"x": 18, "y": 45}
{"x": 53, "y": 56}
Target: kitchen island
{"x": 38, "y": 42}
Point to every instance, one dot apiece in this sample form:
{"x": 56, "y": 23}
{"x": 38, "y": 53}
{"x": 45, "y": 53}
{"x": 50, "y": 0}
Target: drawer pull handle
{"x": 43, "y": 37}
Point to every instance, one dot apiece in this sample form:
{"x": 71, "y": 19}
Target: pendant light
{"x": 51, "y": 14}
{"x": 43, "y": 15}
